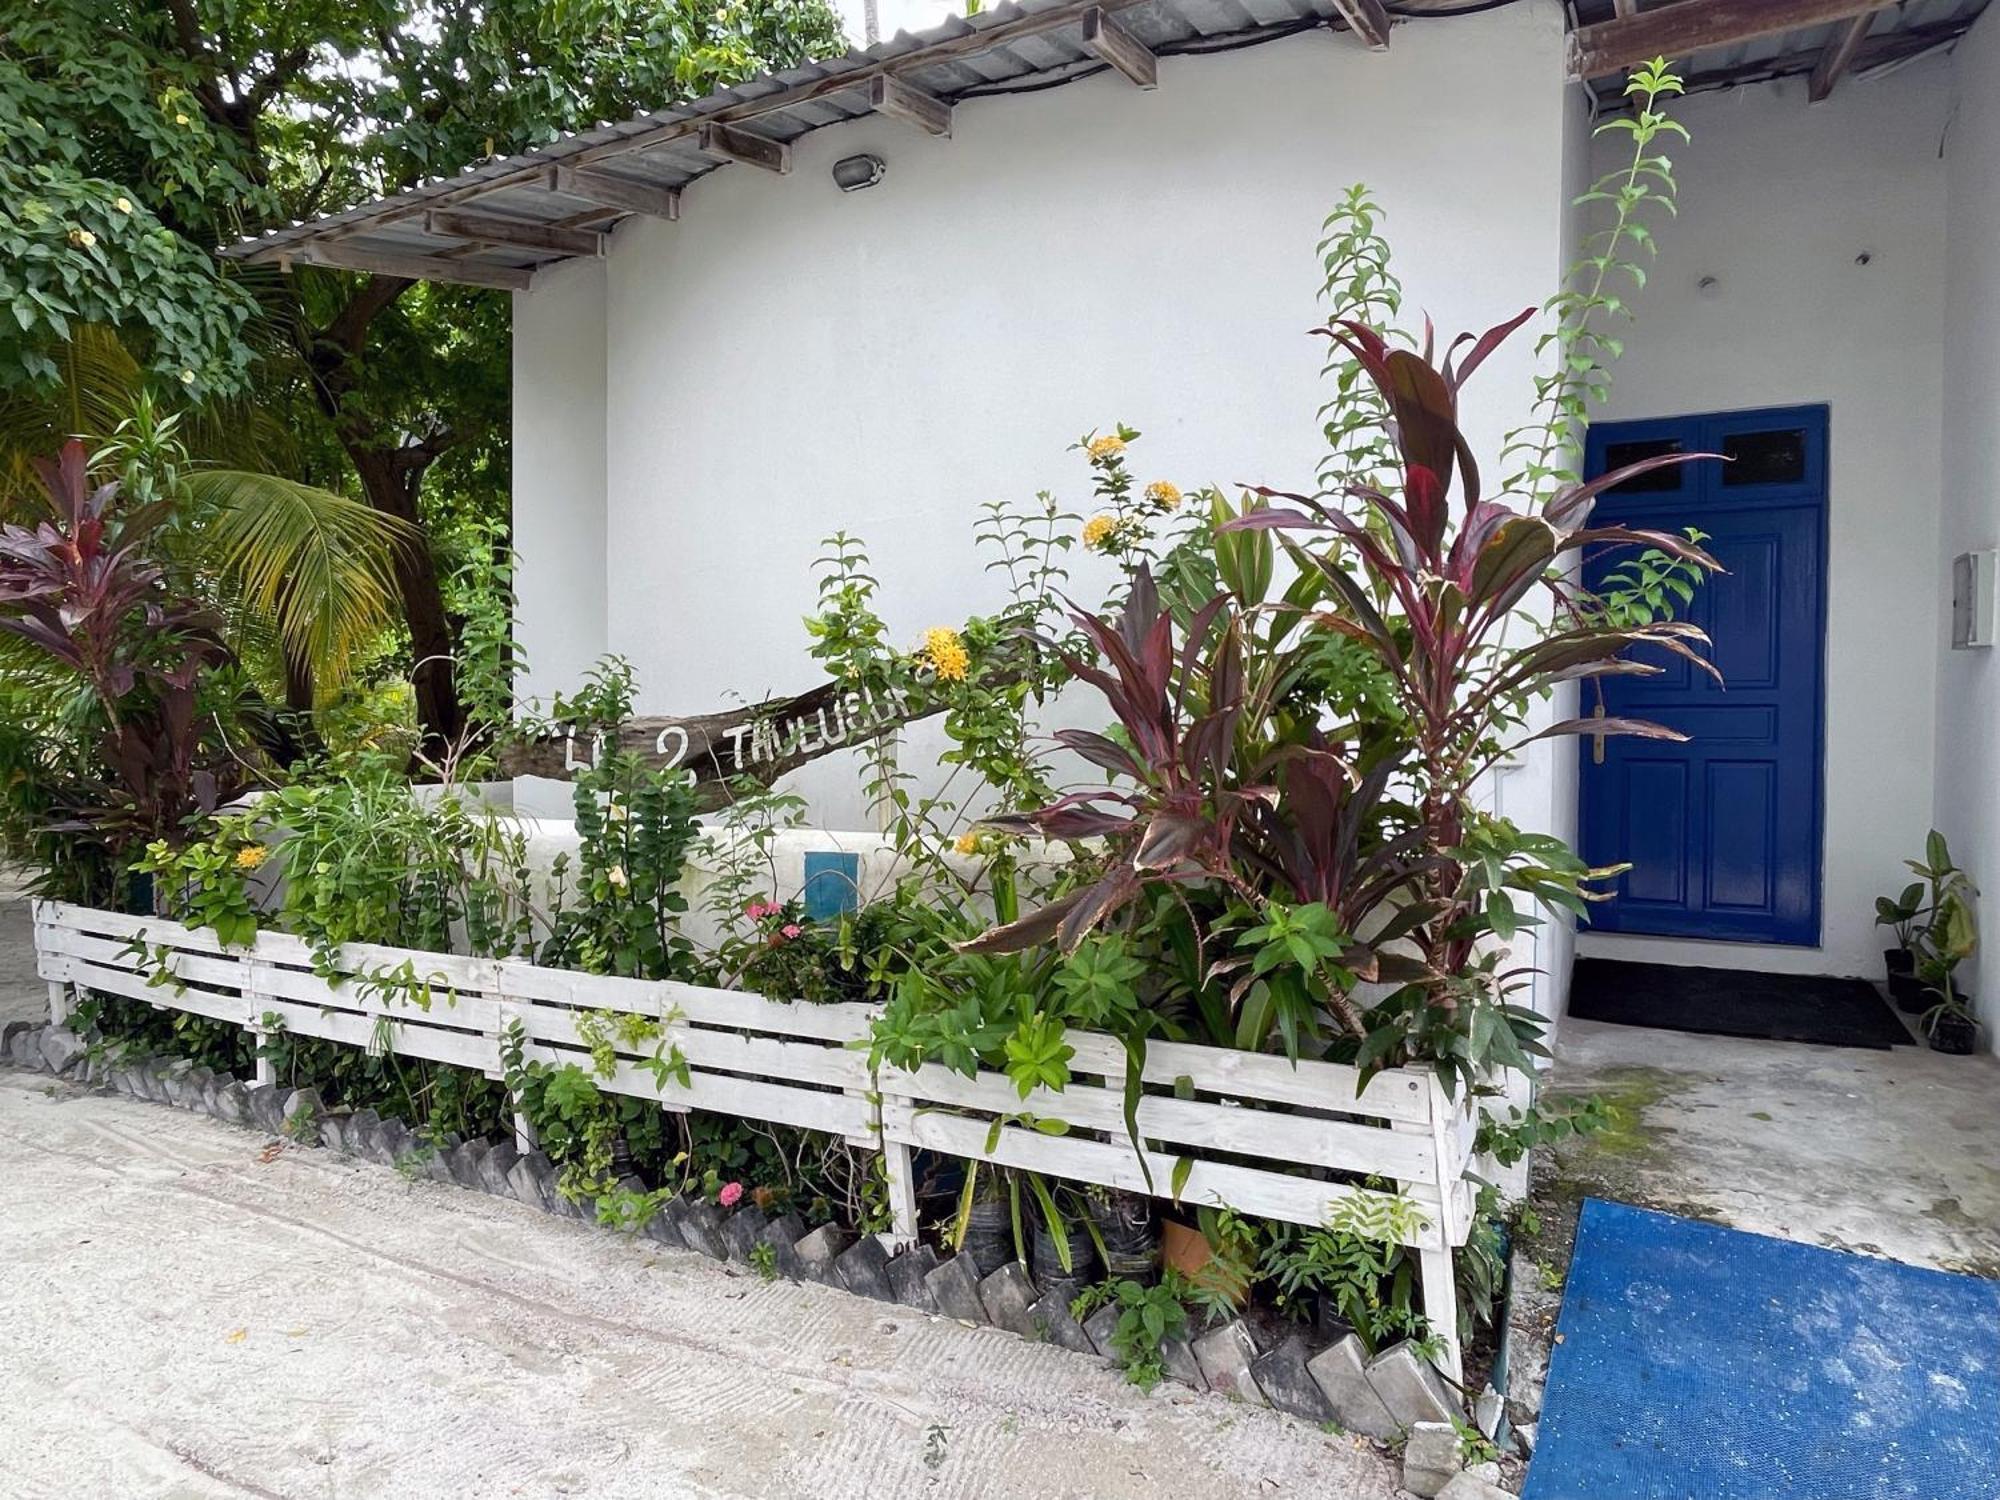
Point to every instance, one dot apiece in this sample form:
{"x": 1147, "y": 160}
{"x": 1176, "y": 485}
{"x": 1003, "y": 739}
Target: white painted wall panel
{"x": 559, "y": 494}
{"x": 1968, "y": 682}
{"x": 786, "y": 361}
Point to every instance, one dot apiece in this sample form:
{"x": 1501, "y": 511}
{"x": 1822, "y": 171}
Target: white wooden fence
{"x": 1232, "y": 1128}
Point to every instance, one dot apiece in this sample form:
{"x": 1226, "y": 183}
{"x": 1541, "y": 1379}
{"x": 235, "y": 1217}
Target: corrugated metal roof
{"x": 1020, "y": 43}
{"x": 1023, "y": 41}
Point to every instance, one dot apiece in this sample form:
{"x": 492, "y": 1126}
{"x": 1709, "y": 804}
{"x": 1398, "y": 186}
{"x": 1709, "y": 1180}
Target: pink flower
{"x": 790, "y": 929}
{"x": 731, "y": 1194}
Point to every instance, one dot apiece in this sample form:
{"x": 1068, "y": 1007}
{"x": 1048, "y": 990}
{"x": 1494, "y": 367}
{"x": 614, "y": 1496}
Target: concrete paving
{"x": 1893, "y": 1153}
{"x": 185, "y": 1313}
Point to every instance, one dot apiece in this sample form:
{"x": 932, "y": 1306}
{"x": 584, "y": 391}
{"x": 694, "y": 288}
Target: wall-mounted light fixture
{"x": 853, "y": 173}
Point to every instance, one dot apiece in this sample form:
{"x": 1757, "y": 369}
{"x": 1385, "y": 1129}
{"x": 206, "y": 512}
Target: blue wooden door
{"x": 1722, "y": 831}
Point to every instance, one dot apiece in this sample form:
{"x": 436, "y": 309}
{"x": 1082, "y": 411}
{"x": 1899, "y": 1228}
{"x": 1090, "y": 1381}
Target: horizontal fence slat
{"x": 1277, "y": 1135}
{"x": 1271, "y": 1195}
{"x": 699, "y": 1003}
{"x": 1398, "y": 1095}
{"x": 837, "y": 1114}
{"x": 194, "y": 999}
{"x": 724, "y": 1051}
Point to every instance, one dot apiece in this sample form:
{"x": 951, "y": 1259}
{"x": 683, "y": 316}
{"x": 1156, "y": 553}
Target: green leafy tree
{"x": 157, "y": 130}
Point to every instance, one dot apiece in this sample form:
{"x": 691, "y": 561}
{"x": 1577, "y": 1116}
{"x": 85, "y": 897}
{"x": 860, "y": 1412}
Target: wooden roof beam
{"x": 1835, "y": 58}
{"x": 346, "y": 257}
{"x": 1368, "y": 20}
{"x": 1111, "y": 43}
{"x": 1677, "y": 31}
{"x": 746, "y": 146}
{"x": 608, "y": 190}
{"x": 517, "y": 234}
{"x": 888, "y": 95}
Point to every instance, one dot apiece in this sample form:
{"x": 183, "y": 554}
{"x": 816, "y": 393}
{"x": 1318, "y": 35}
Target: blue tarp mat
{"x": 1699, "y": 1363}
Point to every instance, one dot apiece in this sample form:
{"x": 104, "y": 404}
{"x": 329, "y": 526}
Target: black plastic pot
{"x": 1046, "y": 1263}
{"x": 1908, "y": 991}
{"x": 989, "y": 1234}
{"x": 1899, "y": 961}
{"x": 1131, "y": 1235}
{"x": 1956, "y": 1035}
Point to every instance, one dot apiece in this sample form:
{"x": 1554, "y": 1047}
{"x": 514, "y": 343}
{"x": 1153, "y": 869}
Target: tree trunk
{"x": 390, "y": 483}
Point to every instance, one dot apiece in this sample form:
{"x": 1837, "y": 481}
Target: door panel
{"x": 1722, "y": 831}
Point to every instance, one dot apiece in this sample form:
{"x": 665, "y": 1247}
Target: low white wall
{"x": 1779, "y": 202}
{"x": 1968, "y": 682}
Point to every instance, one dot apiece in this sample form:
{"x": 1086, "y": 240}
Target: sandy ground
{"x": 181, "y": 1317}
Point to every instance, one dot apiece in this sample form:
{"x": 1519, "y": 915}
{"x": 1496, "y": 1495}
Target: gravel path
{"x": 187, "y": 1313}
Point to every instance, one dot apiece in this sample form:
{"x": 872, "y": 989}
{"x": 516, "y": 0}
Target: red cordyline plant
{"x": 82, "y": 587}
{"x": 1398, "y": 856}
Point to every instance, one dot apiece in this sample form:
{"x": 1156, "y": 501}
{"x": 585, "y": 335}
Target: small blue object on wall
{"x": 833, "y": 882}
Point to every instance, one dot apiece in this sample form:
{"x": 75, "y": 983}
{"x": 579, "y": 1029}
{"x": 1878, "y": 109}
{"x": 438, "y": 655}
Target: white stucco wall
{"x": 1778, "y": 200}
{"x": 559, "y": 455}
{"x": 786, "y": 361}
{"x": 1968, "y": 682}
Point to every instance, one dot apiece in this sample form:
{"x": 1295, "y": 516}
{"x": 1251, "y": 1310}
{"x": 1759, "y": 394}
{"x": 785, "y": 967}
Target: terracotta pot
{"x": 1186, "y": 1250}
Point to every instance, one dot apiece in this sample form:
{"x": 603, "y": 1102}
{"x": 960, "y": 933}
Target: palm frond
{"x": 101, "y": 381}
{"x": 321, "y": 565}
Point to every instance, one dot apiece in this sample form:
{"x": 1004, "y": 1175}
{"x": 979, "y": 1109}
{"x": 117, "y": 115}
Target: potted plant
{"x": 1950, "y": 939}
{"x": 1899, "y": 914}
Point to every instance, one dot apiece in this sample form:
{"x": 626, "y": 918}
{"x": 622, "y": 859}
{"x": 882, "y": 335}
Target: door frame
{"x": 1814, "y": 489}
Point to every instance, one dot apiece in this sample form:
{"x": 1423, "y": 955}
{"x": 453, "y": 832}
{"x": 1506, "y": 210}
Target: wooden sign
{"x": 761, "y": 741}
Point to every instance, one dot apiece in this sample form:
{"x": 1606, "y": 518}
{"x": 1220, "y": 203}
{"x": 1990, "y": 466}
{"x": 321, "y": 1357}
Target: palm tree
{"x": 304, "y": 576}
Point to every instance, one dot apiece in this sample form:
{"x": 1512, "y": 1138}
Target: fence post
{"x": 59, "y": 1006}
{"x": 1434, "y": 1262}
{"x": 266, "y": 1073}
{"x": 898, "y": 1171}
{"x": 508, "y": 1013}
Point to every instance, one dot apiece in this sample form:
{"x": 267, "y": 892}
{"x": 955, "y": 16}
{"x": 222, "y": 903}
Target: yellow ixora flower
{"x": 123, "y": 205}
{"x": 1164, "y": 495}
{"x": 1098, "y": 530}
{"x": 947, "y": 653}
{"x": 83, "y": 239}
{"x": 1103, "y": 449}
{"x": 965, "y": 843}
{"x": 250, "y": 856}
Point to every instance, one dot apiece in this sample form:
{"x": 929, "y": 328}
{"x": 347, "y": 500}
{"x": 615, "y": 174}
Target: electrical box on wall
{"x": 1973, "y": 601}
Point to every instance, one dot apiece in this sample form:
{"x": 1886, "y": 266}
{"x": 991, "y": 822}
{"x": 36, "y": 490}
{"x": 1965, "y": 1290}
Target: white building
{"x": 717, "y": 365}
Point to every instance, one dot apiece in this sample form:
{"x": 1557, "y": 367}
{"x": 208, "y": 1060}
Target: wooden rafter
{"x": 910, "y": 104}
{"x": 1836, "y": 57}
{"x": 1625, "y": 7}
{"x": 1368, "y": 20}
{"x": 520, "y": 234}
{"x": 745, "y": 146}
{"x": 1111, "y": 43}
{"x": 1005, "y": 33}
{"x": 1677, "y": 31}
{"x": 612, "y": 191}
{"x": 342, "y": 256}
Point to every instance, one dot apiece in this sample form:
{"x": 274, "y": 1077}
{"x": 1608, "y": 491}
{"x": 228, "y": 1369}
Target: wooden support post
{"x": 517, "y": 234}
{"x": 608, "y": 190}
{"x": 1441, "y": 1311}
{"x": 746, "y": 146}
{"x": 254, "y": 990}
{"x": 896, "y": 1163}
{"x": 507, "y": 1014}
{"x": 59, "y": 1006}
{"x": 1368, "y": 20}
{"x": 1110, "y": 42}
{"x": 1835, "y": 58}
{"x": 910, "y": 104}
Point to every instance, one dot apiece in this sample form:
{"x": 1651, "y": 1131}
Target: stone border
{"x": 1381, "y": 1398}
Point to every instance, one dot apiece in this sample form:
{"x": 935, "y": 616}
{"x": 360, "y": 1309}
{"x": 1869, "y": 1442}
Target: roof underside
{"x": 498, "y": 221}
